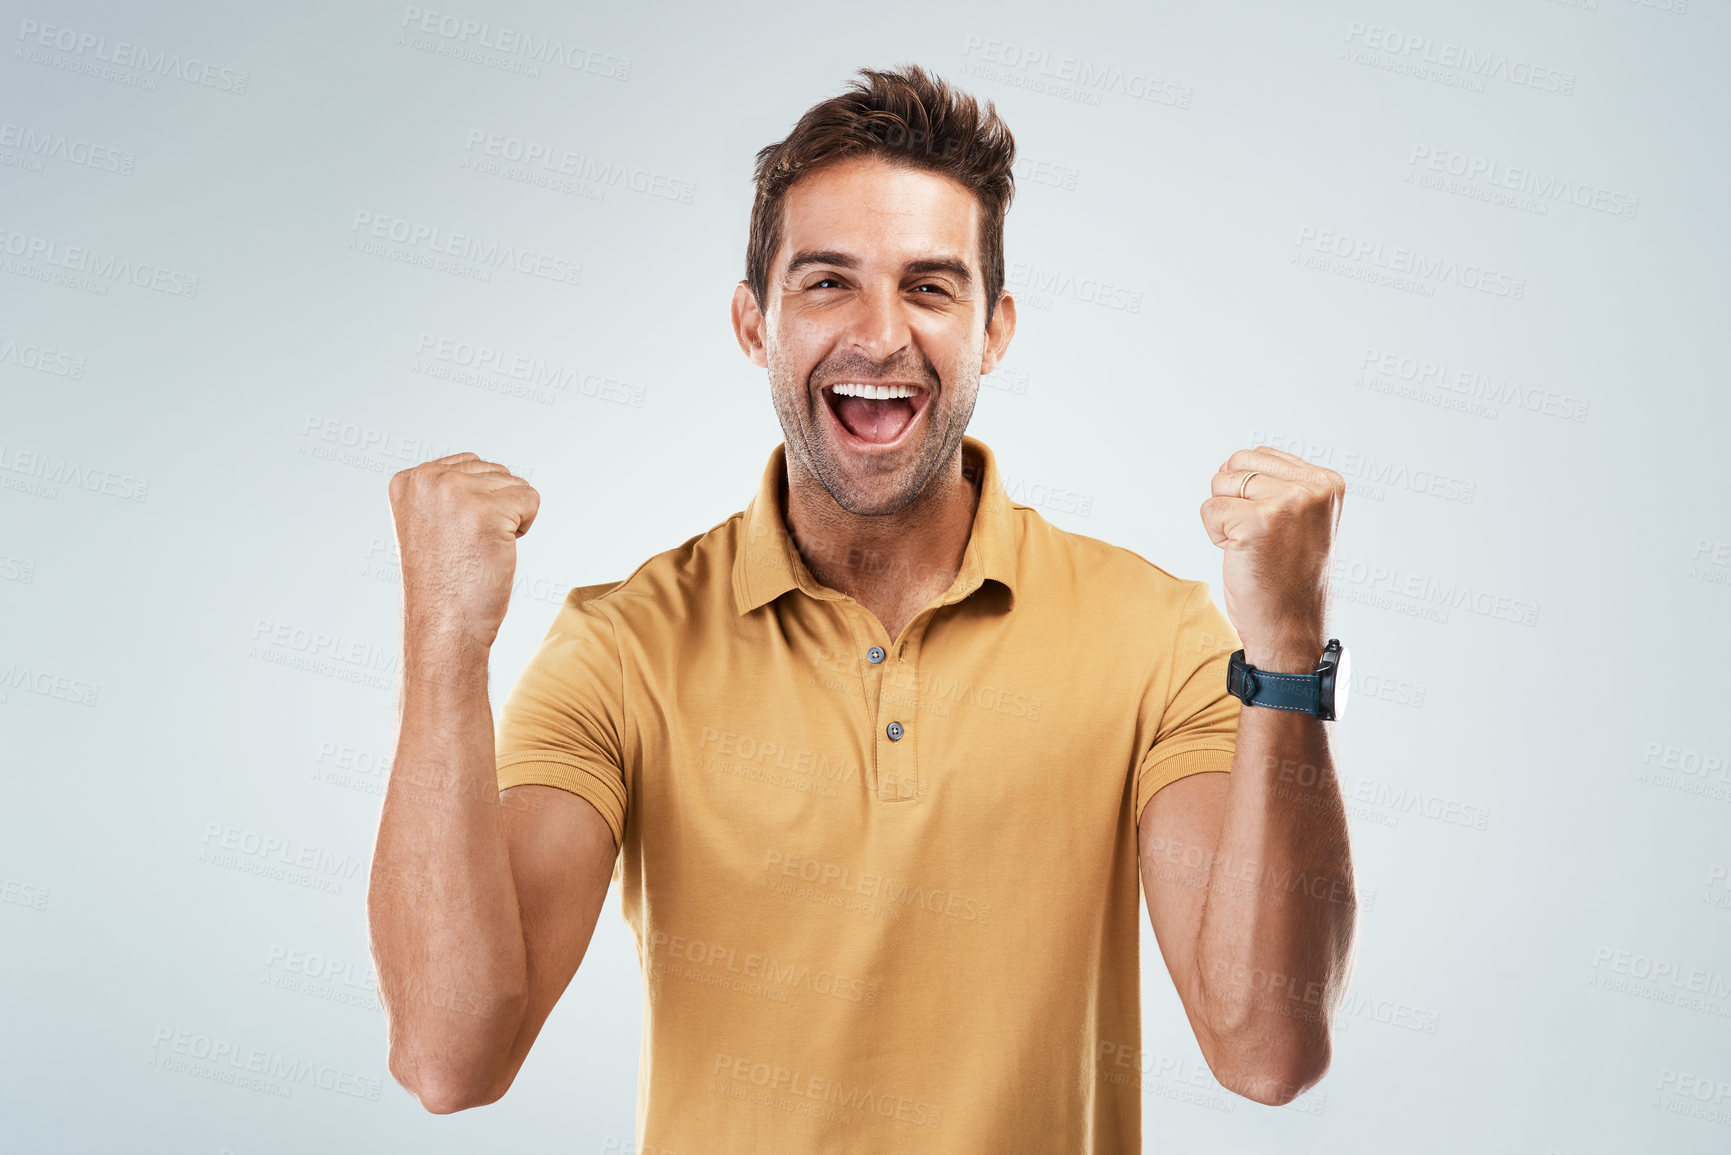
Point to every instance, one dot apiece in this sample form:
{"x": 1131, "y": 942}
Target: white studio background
{"x": 1471, "y": 256}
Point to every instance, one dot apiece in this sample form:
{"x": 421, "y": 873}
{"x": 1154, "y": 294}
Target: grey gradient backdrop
{"x": 1471, "y": 256}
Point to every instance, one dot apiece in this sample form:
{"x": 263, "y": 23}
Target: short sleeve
{"x": 1198, "y": 727}
{"x": 563, "y": 722}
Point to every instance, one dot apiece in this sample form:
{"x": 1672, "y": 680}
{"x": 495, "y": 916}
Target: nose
{"x": 878, "y": 322}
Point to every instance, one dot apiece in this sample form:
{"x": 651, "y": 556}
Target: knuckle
{"x": 449, "y": 481}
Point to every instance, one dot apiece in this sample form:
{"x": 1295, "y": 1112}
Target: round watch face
{"x": 1342, "y": 682}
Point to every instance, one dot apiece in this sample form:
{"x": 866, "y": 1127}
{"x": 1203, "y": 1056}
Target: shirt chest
{"x": 816, "y": 728}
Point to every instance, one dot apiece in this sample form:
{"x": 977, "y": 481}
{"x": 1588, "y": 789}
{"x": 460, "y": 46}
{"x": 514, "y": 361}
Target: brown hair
{"x": 907, "y": 117}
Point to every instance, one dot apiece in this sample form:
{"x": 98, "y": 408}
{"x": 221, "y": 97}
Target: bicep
{"x": 1176, "y": 841}
{"x": 562, "y": 854}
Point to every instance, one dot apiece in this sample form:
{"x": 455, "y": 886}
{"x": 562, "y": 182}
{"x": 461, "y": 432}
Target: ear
{"x": 998, "y": 333}
{"x": 748, "y": 325}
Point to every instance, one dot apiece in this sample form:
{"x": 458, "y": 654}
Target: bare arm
{"x": 1248, "y": 878}
{"x": 480, "y": 903}
{"x": 1248, "y": 875}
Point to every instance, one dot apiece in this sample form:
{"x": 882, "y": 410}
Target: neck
{"x": 916, "y": 552}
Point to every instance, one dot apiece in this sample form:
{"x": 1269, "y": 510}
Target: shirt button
{"x": 875, "y": 655}
{"x": 894, "y": 730}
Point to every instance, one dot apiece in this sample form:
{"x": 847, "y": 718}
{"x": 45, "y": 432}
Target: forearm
{"x": 1275, "y": 939}
{"x": 447, "y": 938}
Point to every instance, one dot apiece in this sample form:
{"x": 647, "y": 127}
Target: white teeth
{"x": 872, "y": 392}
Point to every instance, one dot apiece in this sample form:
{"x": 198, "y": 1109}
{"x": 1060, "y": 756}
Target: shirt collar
{"x": 766, "y": 564}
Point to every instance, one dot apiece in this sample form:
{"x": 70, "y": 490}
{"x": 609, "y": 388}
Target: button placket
{"x": 870, "y": 658}
{"x": 898, "y": 722}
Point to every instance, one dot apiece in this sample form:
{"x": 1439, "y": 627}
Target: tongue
{"x": 879, "y": 422}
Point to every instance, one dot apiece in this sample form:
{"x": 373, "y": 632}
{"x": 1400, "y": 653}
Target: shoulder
{"x": 667, "y": 586}
{"x": 1097, "y": 569}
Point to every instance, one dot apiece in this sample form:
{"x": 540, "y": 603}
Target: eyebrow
{"x": 841, "y": 260}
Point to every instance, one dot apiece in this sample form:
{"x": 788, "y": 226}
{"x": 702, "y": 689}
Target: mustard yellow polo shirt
{"x": 884, "y": 890}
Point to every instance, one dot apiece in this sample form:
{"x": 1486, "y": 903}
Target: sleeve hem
{"x": 543, "y": 768}
{"x": 1164, "y": 767}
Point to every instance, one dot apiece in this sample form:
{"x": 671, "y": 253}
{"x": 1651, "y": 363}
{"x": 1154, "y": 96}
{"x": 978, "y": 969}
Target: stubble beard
{"x": 804, "y": 420}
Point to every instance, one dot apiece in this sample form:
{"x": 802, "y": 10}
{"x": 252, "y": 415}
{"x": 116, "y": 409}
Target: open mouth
{"x": 874, "y": 414}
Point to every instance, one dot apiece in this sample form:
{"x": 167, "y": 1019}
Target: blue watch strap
{"x": 1301, "y": 693}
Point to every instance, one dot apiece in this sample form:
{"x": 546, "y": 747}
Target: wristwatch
{"x": 1321, "y": 694}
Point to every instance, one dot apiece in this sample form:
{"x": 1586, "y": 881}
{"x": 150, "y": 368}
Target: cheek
{"x": 795, "y": 349}
{"x": 960, "y": 360}
{"x": 782, "y": 360}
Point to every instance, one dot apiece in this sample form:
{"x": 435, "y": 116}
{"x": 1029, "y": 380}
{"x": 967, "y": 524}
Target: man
{"x": 883, "y": 758}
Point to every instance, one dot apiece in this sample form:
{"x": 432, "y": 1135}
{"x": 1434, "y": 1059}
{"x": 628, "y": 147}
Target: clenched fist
{"x": 1275, "y": 515}
{"x": 458, "y": 520}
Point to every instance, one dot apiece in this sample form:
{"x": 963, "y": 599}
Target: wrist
{"x": 430, "y": 625}
{"x": 1287, "y": 658}
{"x": 447, "y": 654}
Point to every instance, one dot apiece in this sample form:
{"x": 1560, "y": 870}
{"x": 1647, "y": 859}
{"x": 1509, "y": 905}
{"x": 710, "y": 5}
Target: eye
{"x": 821, "y": 282}
{"x": 938, "y": 288}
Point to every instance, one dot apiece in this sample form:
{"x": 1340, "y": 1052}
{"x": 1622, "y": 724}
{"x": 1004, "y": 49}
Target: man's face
{"x": 877, "y": 283}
